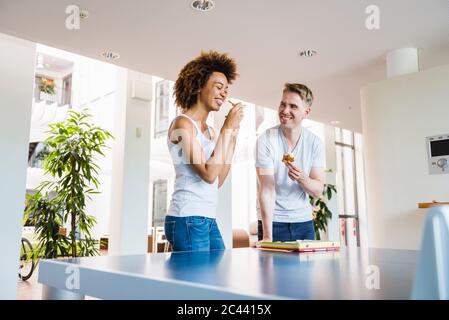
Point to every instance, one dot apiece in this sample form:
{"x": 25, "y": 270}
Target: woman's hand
{"x": 235, "y": 133}
{"x": 234, "y": 117}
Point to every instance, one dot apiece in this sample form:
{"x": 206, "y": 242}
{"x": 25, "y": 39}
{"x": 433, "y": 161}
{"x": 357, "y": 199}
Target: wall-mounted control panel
{"x": 438, "y": 151}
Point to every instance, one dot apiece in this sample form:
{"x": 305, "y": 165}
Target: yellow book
{"x": 302, "y": 245}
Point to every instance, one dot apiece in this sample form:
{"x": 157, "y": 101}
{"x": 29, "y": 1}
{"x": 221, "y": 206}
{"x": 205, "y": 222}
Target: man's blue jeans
{"x": 194, "y": 233}
{"x": 284, "y": 231}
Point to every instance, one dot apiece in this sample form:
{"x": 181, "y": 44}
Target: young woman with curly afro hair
{"x": 202, "y": 159}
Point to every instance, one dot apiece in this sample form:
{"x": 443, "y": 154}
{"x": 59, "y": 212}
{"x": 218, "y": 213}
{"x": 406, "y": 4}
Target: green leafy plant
{"x": 46, "y": 216}
{"x": 47, "y": 86}
{"x": 42, "y": 154}
{"x": 73, "y": 148}
{"x": 322, "y": 214}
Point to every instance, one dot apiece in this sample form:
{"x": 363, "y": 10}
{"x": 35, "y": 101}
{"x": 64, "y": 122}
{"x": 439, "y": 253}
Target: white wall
{"x": 397, "y": 116}
{"x": 237, "y": 196}
{"x": 161, "y": 164}
{"x": 244, "y": 182}
{"x": 226, "y": 191}
{"x": 17, "y": 59}
{"x": 94, "y": 86}
{"x": 130, "y": 168}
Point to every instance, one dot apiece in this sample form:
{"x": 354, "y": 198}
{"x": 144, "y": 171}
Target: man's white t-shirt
{"x": 292, "y": 202}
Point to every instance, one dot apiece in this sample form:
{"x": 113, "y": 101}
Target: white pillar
{"x": 237, "y": 197}
{"x": 244, "y": 183}
{"x": 17, "y": 59}
{"x": 224, "y": 211}
{"x": 224, "y": 207}
{"x": 131, "y": 163}
{"x": 402, "y": 61}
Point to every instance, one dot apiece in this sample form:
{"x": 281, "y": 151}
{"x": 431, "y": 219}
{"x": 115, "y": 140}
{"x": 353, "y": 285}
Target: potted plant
{"x": 321, "y": 213}
{"x": 44, "y": 213}
{"x": 73, "y": 148}
{"x": 47, "y": 88}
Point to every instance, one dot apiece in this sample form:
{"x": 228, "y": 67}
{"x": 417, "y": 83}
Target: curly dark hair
{"x": 196, "y": 73}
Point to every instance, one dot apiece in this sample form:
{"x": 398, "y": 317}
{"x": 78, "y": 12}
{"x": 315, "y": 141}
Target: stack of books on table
{"x": 301, "y": 245}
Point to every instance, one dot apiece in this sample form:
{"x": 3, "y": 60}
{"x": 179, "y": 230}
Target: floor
{"x": 32, "y": 290}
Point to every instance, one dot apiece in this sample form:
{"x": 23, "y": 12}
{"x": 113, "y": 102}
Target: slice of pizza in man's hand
{"x": 288, "y": 158}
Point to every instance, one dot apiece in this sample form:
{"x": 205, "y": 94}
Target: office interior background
{"x": 379, "y": 90}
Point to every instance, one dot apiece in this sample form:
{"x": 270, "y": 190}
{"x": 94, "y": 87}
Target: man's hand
{"x": 295, "y": 173}
{"x": 258, "y": 243}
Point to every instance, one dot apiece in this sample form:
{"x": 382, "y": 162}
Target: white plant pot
{"x": 46, "y": 96}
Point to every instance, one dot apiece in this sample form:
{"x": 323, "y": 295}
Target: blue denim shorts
{"x": 284, "y": 231}
{"x": 194, "y": 233}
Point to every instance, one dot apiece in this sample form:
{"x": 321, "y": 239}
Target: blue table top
{"x": 346, "y": 274}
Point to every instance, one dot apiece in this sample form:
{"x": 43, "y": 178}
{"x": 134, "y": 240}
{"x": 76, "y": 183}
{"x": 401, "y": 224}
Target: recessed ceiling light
{"x": 335, "y": 122}
{"x": 202, "y": 5}
{"x": 308, "y": 53}
{"x": 110, "y": 55}
{"x": 84, "y": 14}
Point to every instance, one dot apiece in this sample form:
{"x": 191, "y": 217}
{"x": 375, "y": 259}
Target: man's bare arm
{"x": 267, "y": 198}
{"x": 313, "y": 184}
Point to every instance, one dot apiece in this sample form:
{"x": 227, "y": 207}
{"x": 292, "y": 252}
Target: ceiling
{"x": 55, "y": 64}
{"x": 159, "y": 37}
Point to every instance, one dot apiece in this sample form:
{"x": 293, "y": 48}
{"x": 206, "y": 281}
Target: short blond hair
{"x": 304, "y": 92}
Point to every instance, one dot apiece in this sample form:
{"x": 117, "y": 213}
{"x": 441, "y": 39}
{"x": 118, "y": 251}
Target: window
{"x": 37, "y": 151}
{"x": 159, "y": 202}
{"x": 163, "y": 105}
{"x": 350, "y": 183}
{"x": 66, "y": 96}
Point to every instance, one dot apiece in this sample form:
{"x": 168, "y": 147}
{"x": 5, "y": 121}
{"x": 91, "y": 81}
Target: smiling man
{"x": 290, "y": 167}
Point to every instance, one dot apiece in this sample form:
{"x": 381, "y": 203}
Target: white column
{"x": 244, "y": 172}
{"x": 402, "y": 61}
{"x": 237, "y": 197}
{"x": 224, "y": 211}
{"x": 17, "y": 59}
{"x": 131, "y": 163}
{"x": 224, "y": 207}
